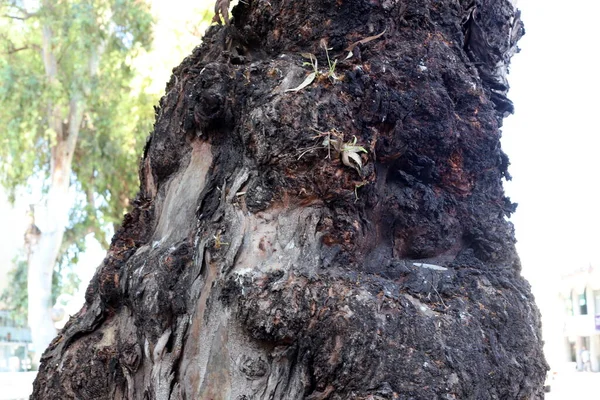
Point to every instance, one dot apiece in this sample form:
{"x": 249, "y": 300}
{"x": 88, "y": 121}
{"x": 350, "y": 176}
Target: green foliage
{"x": 14, "y": 296}
{"x": 103, "y": 57}
{"x": 94, "y": 43}
{"x": 64, "y": 280}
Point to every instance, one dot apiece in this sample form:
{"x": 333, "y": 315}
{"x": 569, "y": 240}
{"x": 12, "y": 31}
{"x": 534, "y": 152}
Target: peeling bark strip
{"x": 256, "y": 265}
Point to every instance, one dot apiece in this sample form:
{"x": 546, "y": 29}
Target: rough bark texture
{"x": 254, "y": 267}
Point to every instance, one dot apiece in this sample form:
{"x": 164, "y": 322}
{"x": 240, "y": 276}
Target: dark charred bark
{"x": 255, "y": 267}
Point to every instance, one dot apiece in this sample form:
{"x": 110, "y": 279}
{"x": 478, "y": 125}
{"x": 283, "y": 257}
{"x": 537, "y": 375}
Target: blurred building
{"x": 15, "y": 337}
{"x": 15, "y": 340}
{"x": 11, "y": 235}
{"x": 580, "y": 294}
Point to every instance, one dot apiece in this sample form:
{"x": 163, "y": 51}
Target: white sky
{"x": 173, "y": 38}
{"x": 553, "y": 138}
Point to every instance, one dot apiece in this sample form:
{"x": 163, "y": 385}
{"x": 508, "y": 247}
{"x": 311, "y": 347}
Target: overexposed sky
{"x": 553, "y": 139}
{"x": 178, "y": 24}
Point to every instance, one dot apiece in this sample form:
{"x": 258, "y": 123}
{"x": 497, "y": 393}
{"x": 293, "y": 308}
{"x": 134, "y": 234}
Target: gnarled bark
{"x": 254, "y": 266}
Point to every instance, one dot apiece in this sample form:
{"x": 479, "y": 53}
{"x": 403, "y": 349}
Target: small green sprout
{"x": 348, "y": 151}
{"x": 315, "y": 65}
{"x": 331, "y": 73}
{"x": 350, "y": 156}
{"x": 310, "y": 77}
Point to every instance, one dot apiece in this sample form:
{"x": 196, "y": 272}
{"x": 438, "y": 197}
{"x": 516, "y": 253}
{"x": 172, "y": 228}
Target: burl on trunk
{"x": 317, "y": 226}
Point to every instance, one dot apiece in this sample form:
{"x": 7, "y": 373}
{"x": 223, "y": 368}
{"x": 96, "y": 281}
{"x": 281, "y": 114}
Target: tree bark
{"x": 254, "y": 266}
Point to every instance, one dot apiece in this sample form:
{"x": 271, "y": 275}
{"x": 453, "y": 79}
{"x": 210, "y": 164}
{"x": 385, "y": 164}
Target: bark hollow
{"x": 256, "y": 264}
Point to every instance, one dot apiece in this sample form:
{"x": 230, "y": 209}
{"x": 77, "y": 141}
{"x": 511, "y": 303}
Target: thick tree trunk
{"x": 254, "y": 266}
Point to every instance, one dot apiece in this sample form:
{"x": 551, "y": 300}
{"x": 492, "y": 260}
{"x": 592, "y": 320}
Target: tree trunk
{"x": 54, "y": 215}
{"x": 53, "y": 218}
{"x": 257, "y": 263}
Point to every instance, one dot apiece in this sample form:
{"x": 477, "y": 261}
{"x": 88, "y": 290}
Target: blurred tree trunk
{"x": 62, "y": 60}
{"x": 269, "y": 257}
{"x": 54, "y": 216}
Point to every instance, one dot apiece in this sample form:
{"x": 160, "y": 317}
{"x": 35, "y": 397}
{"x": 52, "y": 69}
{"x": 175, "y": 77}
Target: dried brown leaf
{"x": 350, "y": 48}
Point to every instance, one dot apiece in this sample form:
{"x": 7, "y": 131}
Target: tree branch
{"x": 23, "y": 11}
{"x": 12, "y": 51}
{"x": 15, "y": 17}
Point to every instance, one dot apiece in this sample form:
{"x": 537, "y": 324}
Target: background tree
{"x": 321, "y": 216}
{"x": 72, "y": 122}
